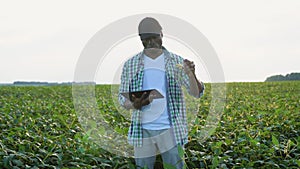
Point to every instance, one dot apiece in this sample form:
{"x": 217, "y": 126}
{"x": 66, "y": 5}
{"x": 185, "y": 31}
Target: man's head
{"x": 150, "y": 33}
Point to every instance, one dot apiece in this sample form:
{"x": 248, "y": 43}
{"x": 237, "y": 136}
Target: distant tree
{"x": 288, "y": 77}
{"x": 293, "y": 76}
{"x": 29, "y": 83}
{"x": 275, "y": 78}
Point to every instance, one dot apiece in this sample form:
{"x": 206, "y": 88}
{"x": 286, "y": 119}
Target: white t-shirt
{"x": 155, "y": 115}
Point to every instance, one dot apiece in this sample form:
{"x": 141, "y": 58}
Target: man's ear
{"x": 161, "y": 34}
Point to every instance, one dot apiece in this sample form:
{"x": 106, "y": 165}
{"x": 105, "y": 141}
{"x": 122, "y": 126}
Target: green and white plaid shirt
{"x": 132, "y": 80}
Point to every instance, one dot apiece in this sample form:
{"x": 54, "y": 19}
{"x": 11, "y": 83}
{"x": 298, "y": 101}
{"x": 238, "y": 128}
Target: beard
{"x": 153, "y": 44}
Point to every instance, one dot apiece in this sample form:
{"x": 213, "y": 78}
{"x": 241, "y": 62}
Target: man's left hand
{"x": 189, "y": 67}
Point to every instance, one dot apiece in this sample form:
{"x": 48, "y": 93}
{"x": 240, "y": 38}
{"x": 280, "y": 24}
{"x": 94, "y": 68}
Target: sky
{"x": 42, "y": 40}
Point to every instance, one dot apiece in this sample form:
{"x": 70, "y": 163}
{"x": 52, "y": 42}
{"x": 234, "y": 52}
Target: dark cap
{"x": 149, "y": 27}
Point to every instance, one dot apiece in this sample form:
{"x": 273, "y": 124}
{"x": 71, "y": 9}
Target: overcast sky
{"x": 42, "y": 40}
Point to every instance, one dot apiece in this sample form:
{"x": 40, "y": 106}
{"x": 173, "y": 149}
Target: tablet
{"x": 155, "y": 94}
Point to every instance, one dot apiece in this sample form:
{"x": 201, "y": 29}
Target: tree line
{"x": 288, "y": 77}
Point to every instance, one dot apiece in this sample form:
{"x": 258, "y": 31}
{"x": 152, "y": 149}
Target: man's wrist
{"x": 191, "y": 74}
{"x": 199, "y": 84}
{"x": 128, "y": 105}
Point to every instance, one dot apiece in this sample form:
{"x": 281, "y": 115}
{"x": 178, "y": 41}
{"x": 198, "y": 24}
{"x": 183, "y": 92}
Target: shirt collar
{"x": 165, "y": 51}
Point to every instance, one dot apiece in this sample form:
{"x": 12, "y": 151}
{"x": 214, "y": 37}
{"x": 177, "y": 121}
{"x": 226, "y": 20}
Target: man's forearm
{"x": 195, "y": 86}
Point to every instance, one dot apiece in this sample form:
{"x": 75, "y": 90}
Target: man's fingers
{"x": 151, "y": 96}
{"x": 144, "y": 96}
{"x": 147, "y": 99}
{"x": 145, "y": 102}
{"x": 141, "y": 101}
{"x": 189, "y": 65}
{"x": 133, "y": 97}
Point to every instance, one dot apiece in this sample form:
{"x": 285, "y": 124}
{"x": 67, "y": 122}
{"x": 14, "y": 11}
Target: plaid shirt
{"x": 132, "y": 80}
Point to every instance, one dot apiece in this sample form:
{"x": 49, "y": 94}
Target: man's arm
{"x": 195, "y": 86}
{"x": 124, "y": 86}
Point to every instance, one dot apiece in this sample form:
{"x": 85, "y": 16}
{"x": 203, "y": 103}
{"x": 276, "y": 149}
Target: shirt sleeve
{"x": 124, "y": 85}
{"x": 202, "y": 89}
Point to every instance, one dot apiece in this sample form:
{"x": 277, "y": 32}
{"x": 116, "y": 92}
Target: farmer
{"x": 157, "y": 125}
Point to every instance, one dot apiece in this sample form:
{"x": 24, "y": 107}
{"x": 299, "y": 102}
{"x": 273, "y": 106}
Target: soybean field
{"x": 259, "y": 128}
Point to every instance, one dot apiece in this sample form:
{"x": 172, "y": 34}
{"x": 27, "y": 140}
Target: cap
{"x": 149, "y": 27}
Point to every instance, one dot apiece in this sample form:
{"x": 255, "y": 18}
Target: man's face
{"x": 153, "y": 42}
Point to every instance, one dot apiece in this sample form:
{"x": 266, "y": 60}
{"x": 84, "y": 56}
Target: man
{"x": 157, "y": 125}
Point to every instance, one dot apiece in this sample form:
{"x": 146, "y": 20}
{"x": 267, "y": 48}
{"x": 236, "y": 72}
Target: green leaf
{"x": 215, "y": 162}
{"x": 251, "y": 118}
{"x": 275, "y": 141}
{"x": 180, "y": 151}
{"x": 298, "y": 162}
{"x": 18, "y": 163}
{"x": 169, "y": 166}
